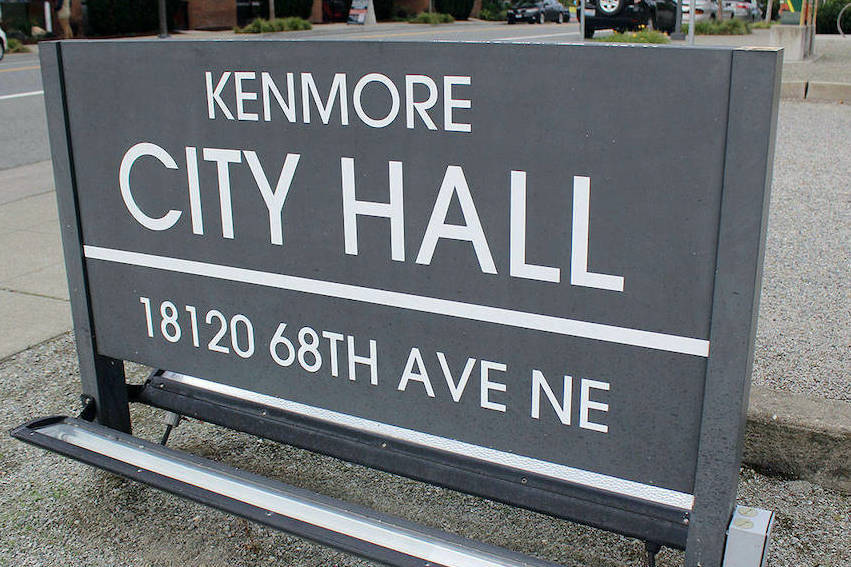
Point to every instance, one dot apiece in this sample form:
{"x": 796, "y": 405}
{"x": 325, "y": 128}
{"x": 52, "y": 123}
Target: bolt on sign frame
{"x": 526, "y": 272}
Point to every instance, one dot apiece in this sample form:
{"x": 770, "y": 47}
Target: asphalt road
{"x": 23, "y": 129}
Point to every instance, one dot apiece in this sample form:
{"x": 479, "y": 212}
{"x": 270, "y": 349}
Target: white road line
{"x": 519, "y": 37}
{"x": 557, "y": 471}
{"x": 21, "y": 95}
{"x": 423, "y": 304}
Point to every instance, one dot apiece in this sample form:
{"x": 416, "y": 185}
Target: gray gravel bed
{"x": 804, "y": 339}
{"x": 55, "y": 512}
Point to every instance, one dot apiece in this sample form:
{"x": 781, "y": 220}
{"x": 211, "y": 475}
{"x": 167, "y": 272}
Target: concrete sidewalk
{"x": 33, "y": 291}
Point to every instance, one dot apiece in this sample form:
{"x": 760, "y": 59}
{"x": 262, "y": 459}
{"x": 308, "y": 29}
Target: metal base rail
{"x": 349, "y": 527}
{"x": 628, "y": 516}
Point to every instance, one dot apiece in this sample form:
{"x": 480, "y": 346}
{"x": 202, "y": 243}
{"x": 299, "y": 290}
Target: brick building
{"x": 211, "y": 14}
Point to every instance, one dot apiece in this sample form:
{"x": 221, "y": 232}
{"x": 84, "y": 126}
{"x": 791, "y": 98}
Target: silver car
{"x": 747, "y": 10}
{"x": 705, "y": 10}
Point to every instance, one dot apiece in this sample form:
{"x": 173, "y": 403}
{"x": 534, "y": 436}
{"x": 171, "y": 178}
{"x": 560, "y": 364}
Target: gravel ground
{"x": 804, "y": 338}
{"x": 55, "y": 512}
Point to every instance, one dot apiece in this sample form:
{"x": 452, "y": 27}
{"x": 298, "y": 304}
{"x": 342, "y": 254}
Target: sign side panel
{"x": 102, "y": 377}
{"x": 754, "y": 100}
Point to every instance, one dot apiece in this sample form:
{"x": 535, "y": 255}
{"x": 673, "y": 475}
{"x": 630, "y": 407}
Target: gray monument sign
{"x": 526, "y": 271}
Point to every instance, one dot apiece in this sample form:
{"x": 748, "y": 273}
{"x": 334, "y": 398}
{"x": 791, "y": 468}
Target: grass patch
{"x": 726, "y": 27}
{"x": 761, "y": 25}
{"x": 260, "y": 25}
{"x": 431, "y": 18}
{"x": 643, "y": 36}
{"x": 15, "y": 46}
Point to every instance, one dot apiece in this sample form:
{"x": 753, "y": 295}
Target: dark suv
{"x": 623, "y": 15}
{"x": 538, "y": 12}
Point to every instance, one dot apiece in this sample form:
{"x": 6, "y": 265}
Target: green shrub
{"x": 458, "y": 9}
{"x": 296, "y": 24}
{"x": 431, "y": 18}
{"x": 15, "y": 46}
{"x": 493, "y": 10}
{"x": 259, "y": 25}
{"x": 254, "y": 27}
{"x": 643, "y": 36}
{"x": 726, "y": 27}
{"x": 827, "y": 14}
{"x": 761, "y": 25}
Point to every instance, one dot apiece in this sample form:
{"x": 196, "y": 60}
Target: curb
{"x": 815, "y": 91}
{"x": 831, "y": 92}
{"x": 794, "y": 90}
{"x": 798, "y": 437}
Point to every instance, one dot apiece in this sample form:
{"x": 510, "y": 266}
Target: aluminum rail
{"x": 345, "y": 526}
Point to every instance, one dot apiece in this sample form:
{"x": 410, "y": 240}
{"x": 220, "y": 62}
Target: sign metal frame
{"x": 755, "y": 79}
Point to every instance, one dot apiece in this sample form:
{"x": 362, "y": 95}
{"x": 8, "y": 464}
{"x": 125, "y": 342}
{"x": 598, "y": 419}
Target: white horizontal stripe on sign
{"x": 471, "y": 311}
{"x": 527, "y": 464}
{"x": 383, "y": 534}
{"x": 21, "y": 95}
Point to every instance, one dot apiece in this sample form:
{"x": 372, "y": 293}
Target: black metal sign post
{"x": 102, "y": 377}
{"x": 399, "y": 255}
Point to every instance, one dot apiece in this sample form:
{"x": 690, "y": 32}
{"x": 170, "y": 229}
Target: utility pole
{"x": 691, "y": 21}
{"x": 163, "y": 22}
{"x": 271, "y": 10}
{"x": 678, "y": 23}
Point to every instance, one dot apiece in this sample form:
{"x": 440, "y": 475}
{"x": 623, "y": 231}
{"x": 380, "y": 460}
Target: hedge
{"x": 827, "y": 14}
{"x": 259, "y": 25}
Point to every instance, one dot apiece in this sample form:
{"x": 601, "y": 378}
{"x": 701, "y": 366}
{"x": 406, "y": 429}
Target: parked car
{"x": 623, "y": 15}
{"x": 335, "y": 10}
{"x": 747, "y": 10}
{"x": 3, "y": 43}
{"x": 705, "y": 11}
{"x": 538, "y": 12}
